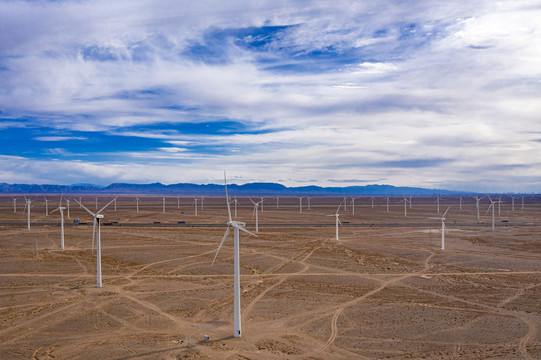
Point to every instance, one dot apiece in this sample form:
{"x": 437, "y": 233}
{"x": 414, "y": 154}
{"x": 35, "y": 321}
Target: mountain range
{"x": 250, "y": 189}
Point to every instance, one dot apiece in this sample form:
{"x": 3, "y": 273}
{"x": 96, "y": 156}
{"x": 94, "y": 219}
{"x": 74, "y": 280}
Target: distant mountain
{"x": 251, "y": 189}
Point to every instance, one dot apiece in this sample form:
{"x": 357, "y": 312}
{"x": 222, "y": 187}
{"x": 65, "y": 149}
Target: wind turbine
{"x": 178, "y": 202}
{"x": 353, "y": 205}
{"x": 308, "y": 202}
{"x": 164, "y": 205}
{"x": 405, "y": 205}
{"x": 15, "y": 203}
{"x": 27, "y": 206}
{"x": 411, "y": 198}
{"x": 61, "y": 209}
{"x": 236, "y": 225}
{"x": 460, "y": 202}
{"x": 337, "y": 216}
{"x": 522, "y": 208}
{"x": 115, "y": 204}
{"x": 256, "y": 206}
{"x": 499, "y": 204}
{"x": 388, "y": 203}
{"x": 277, "y": 202}
{"x": 477, "y": 200}
{"x": 96, "y": 203}
{"x": 438, "y": 202}
{"x": 68, "y": 207}
{"x": 202, "y": 203}
{"x": 46, "y": 206}
{"x": 512, "y": 203}
{"x": 491, "y": 206}
{"x": 235, "y": 202}
{"x": 195, "y": 204}
{"x": 345, "y": 204}
{"x": 97, "y": 217}
{"x": 137, "y": 204}
{"x": 261, "y": 202}
{"x": 372, "y": 199}
{"x": 443, "y": 228}
{"x": 300, "y": 204}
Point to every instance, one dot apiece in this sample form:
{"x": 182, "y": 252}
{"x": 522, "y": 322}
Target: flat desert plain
{"x": 384, "y": 290}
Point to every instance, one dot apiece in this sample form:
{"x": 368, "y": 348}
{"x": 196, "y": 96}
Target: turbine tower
{"x": 163, "y": 206}
{"x": 97, "y": 217}
{"x": 137, "y": 204}
{"x": 372, "y": 200}
{"x": 15, "y": 203}
{"x": 438, "y": 202}
{"x": 388, "y": 203}
{"x": 300, "y": 204}
{"x": 405, "y": 201}
{"x": 237, "y": 227}
{"x": 195, "y": 205}
{"x": 353, "y": 205}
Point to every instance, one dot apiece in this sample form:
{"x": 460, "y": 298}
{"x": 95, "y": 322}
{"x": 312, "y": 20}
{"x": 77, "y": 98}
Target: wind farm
{"x": 299, "y": 289}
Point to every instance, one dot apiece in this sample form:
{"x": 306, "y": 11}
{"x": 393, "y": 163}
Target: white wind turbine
{"x": 388, "y": 203}
{"x": 522, "y": 208}
{"x": 61, "y": 209}
{"x": 97, "y": 217}
{"x": 345, "y": 204}
{"x": 491, "y": 206}
{"x": 15, "y": 203}
{"x": 195, "y": 205}
{"x": 460, "y": 202}
{"x": 261, "y": 202}
{"x": 96, "y": 203}
{"x": 137, "y": 204}
{"x": 477, "y": 200}
{"x": 512, "y": 203}
{"x": 163, "y": 206}
{"x": 438, "y": 202}
{"x": 235, "y": 202}
{"x": 178, "y": 202}
{"x": 405, "y": 201}
{"x": 353, "y": 205}
{"x": 46, "y": 206}
{"x": 308, "y": 202}
{"x": 499, "y": 204}
{"x": 202, "y": 203}
{"x": 300, "y": 204}
{"x": 68, "y": 207}
{"x": 256, "y": 206}
{"x": 372, "y": 199}
{"x": 277, "y": 202}
{"x": 115, "y": 204}
{"x": 443, "y": 228}
{"x": 337, "y": 217}
{"x": 27, "y": 207}
{"x": 411, "y": 202}
{"x": 236, "y": 225}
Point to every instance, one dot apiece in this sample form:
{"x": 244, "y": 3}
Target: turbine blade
{"x": 227, "y": 198}
{"x": 50, "y": 212}
{"x": 84, "y": 207}
{"x": 93, "y": 233}
{"x": 446, "y": 212}
{"x": 243, "y": 229}
{"x": 61, "y": 195}
{"x": 103, "y": 208}
{"x": 491, "y": 205}
{"x": 221, "y": 243}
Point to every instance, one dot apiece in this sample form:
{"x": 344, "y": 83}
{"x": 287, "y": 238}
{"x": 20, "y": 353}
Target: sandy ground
{"x": 380, "y": 292}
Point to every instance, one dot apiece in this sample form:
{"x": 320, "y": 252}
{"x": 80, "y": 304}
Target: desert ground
{"x": 384, "y": 290}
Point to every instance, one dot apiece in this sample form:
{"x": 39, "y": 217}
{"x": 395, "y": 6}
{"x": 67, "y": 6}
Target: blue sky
{"x": 333, "y": 93}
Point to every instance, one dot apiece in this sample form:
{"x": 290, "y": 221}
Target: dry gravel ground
{"x": 380, "y": 292}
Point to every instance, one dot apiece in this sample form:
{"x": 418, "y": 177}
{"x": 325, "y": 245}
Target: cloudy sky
{"x": 437, "y": 94}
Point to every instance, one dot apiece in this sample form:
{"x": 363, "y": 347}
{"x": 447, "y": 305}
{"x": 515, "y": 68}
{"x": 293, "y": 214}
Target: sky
{"x": 434, "y": 94}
